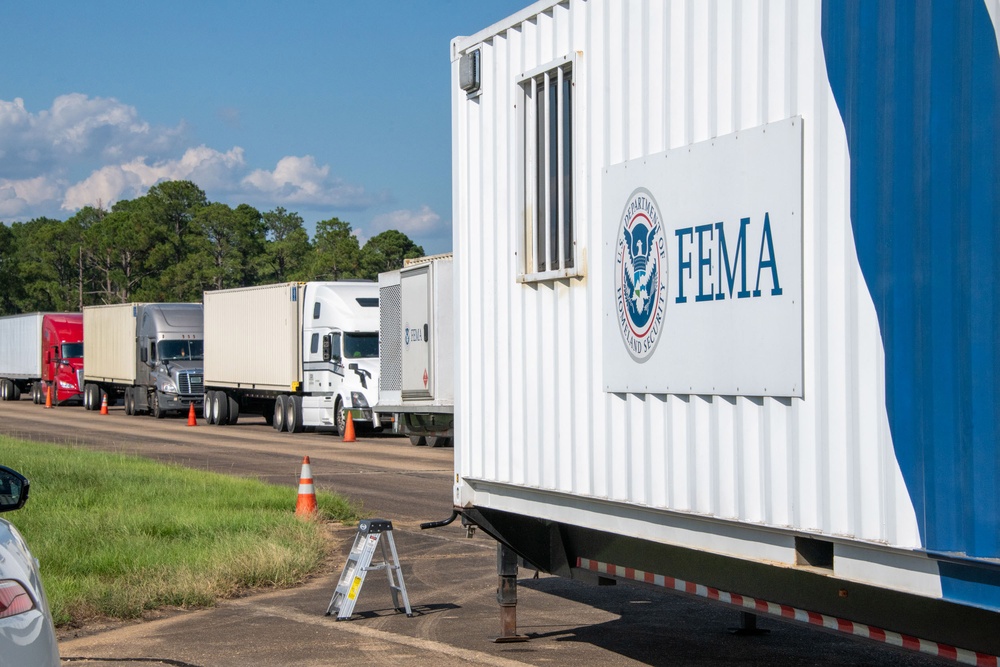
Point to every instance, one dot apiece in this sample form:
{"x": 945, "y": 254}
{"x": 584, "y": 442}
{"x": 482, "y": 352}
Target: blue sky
{"x": 327, "y": 109}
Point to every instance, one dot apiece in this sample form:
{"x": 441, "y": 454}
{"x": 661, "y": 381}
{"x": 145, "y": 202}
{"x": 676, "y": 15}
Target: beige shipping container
{"x": 253, "y": 337}
{"x": 109, "y": 332}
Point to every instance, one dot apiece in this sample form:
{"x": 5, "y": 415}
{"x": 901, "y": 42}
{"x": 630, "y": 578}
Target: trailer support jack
{"x": 507, "y": 595}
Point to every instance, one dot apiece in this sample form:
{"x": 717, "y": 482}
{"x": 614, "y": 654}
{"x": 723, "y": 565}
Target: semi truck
{"x": 298, "y": 354}
{"x": 41, "y": 353}
{"x": 149, "y": 355}
{"x": 726, "y": 311}
{"x": 416, "y": 349}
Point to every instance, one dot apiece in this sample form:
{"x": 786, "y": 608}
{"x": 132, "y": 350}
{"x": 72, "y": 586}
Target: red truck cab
{"x": 62, "y": 357}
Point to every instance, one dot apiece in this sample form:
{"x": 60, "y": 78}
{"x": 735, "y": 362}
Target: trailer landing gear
{"x": 507, "y": 595}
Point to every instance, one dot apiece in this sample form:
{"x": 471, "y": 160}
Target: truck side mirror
{"x": 13, "y": 489}
{"x": 142, "y": 355}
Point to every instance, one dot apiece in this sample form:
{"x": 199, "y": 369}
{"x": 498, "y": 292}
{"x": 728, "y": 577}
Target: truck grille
{"x": 190, "y": 383}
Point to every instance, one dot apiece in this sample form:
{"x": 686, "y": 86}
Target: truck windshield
{"x": 72, "y": 350}
{"x": 360, "y": 345}
{"x": 178, "y": 350}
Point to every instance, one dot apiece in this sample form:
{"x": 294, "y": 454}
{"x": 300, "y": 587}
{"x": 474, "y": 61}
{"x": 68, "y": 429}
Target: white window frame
{"x": 567, "y": 263}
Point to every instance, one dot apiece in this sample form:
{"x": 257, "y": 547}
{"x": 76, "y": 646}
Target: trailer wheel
{"x": 280, "y": 413}
{"x": 438, "y": 441}
{"x": 93, "y": 397}
{"x": 16, "y": 392}
{"x": 220, "y": 408}
{"x": 234, "y": 409}
{"x": 418, "y": 440}
{"x": 4, "y": 390}
{"x": 293, "y": 417}
{"x": 206, "y": 407}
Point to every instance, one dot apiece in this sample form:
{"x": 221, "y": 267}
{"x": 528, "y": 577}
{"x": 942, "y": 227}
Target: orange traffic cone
{"x": 349, "y": 428}
{"x": 192, "y": 420}
{"x": 306, "y": 503}
{"x": 104, "y": 404}
{"x": 48, "y": 397}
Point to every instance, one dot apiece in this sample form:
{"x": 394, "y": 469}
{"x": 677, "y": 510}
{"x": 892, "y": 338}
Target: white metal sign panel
{"x": 703, "y": 257}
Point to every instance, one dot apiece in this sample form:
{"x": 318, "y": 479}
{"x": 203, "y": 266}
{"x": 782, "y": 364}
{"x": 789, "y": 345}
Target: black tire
{"x": 128, "y": 402}
{"x": 280, "y": 413}
{"x": 34, "y": 393}
{"x": 93, "y": 397}
{"x": 220, "y": 408}
{"x": 154, "y": 406}
{"x": 418, "y": 440}
{"x": 86, "y": 397}
{"x": 339, "y": 416}
{"x": 206, "y": 408}
{"x": 438, "y": 441}
{"x": 234, "y": 409}
{"x": 293, "y": 416}
{"x": 5, "y": 390}
{"x": 17, "y": 393}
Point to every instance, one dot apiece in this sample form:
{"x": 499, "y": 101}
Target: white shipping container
{"x": 253, "y": 337}
{"x": 417, "y": 351}
{"x": 109, "y": 335}
{"x": 21, "y": 346}
{"x": 665, "y": 334}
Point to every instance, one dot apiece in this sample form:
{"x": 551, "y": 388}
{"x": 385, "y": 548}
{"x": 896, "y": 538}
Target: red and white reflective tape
{"x": 960, "y": 655}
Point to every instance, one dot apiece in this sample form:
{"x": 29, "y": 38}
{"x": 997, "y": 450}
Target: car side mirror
{"x": 13, "y": 489}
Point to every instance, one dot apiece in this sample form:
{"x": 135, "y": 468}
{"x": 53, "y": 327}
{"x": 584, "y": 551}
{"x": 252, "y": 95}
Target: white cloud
{"x": 412, "y": 223}
{"x": 299, "y": 180}
{"x": 204, "y": 166}
{"x": 85, "y": 151}
{"x": 17, "y": 196}
{"x": 76, "y": 130}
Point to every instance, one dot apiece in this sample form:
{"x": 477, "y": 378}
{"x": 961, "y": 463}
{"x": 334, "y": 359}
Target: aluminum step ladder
{"x": 372, "y": 534}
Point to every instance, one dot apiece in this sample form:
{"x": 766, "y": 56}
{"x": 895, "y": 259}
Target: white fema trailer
{"x": 417, "y": 348}
{"x": 727, "y": 319}
{"x": 300, "y": 354}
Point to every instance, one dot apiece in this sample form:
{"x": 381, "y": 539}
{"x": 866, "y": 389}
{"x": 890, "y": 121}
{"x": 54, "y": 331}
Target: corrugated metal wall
{"x": 110, "y": 342}
{"x": 651, "y": 76}
{"x": 21, "y": 346}
{"x": 252, "y": 337}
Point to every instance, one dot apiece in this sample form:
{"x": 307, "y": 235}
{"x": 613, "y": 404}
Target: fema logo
{"x": 640, "y": 275}
{"x": 406, "y": 334}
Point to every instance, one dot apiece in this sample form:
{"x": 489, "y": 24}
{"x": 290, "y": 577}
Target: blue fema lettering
{"x": 718, "y": 271}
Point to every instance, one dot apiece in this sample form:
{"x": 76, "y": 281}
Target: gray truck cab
{"x": 170, "y": 368}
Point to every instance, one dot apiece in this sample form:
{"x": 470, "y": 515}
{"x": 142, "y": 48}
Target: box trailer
{"x": 299, "y": 354}
{"x": 417, "y": 349}
{"x": 20, "y": 354}
{"x": 727, "y": 319}
{"x": 150, "y": 355}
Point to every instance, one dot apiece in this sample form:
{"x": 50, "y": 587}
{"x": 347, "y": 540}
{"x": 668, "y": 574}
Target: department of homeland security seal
{"x": 641, "y": 275}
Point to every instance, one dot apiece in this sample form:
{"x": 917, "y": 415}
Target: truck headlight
{"x": 358, "y": 399}
{"x": 66, "y": 385}
{"x": 168, "y": 387}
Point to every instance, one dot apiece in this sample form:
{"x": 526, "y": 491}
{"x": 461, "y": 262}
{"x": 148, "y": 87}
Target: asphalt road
{"x": 450, "y": 578}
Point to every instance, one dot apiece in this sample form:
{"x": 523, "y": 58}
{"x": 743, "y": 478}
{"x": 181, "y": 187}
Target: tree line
{"x": 172, "y": 244}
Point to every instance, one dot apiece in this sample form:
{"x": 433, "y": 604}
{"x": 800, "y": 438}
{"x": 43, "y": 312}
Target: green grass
{"x": 118, "y": 535}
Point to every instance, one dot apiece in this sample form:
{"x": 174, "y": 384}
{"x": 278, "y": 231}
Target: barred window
{"x": 549, "y": 229}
